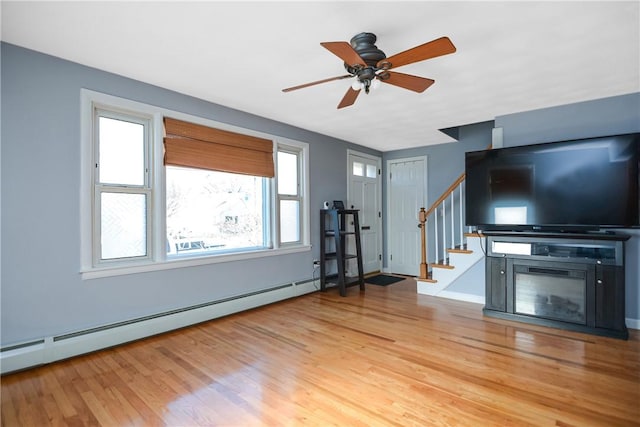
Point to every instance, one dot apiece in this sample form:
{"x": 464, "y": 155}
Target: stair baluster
{"x": 462, "y": 206}
{"x": 435, "y": 235}
{"x": 453, "y": 222}
{"x": 444, "y": 230}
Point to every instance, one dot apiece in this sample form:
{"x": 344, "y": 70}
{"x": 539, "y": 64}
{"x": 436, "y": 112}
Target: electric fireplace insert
{"x": 572, "y": 282}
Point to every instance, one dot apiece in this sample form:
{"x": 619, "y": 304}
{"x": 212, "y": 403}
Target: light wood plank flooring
{"x": 385, "y": 357}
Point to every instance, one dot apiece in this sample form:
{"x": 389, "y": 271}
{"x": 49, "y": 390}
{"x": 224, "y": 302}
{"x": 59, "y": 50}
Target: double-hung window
{"x": 122, "y": 187}
{"x": 289, "y": 189}
{"x": 168, "y": 189}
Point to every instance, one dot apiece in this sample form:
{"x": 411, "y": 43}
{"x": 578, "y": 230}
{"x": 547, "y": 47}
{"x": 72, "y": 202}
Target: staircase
{"x": 459, "y": 261}
{"x": 448, "y": 247}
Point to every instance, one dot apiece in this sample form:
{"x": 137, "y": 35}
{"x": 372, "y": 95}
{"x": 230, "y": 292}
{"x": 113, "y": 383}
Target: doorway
{"x": 406, "y": 194}
{"x": 364, "y": 193}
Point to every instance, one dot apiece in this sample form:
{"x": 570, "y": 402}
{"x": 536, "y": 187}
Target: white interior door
{"x": 364, "y": 194}
{"x": 406, "y": 184}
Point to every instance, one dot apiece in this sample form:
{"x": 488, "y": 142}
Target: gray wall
{"x": 42, "y": 292}
{"x": 601, "y": 117}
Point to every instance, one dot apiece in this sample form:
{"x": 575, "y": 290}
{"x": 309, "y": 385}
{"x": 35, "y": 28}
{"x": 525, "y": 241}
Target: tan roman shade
{"x": 196, "y": 146}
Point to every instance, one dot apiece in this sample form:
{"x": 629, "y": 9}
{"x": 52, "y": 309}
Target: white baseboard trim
{"x": 632, "y": 323}
{"x": 429, "y": 288}
{"x": 462, "y": 297}
{"x": 50, "y": 349}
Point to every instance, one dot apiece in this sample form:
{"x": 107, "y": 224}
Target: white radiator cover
{"x": 50, "y": 349}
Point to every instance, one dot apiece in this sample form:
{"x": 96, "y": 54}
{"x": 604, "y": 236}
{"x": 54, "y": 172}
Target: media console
{"x": 568, "y": 281}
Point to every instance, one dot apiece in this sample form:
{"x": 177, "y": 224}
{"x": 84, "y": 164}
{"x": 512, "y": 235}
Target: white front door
{"x": 406, "y": 184}
{"x": 364, "y": 194}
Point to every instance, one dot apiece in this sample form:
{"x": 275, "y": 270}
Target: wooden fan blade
{"x": 344, "y": 51}
{"x": 432, "y": 49}
{"x": 289, "y": 89}
{"x": 349, "y": 98}
{"x": 407, "y": 81}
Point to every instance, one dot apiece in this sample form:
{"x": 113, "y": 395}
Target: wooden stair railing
{"x": 440, "y": 206}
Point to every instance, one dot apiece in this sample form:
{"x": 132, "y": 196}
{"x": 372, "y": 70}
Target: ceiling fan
{"x": 370, "y": 66}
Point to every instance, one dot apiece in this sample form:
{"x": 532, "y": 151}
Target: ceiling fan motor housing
{"x": 364, "y": 45}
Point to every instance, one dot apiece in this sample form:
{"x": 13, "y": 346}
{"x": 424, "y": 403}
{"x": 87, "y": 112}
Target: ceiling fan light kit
{"x": 370, "y": 66}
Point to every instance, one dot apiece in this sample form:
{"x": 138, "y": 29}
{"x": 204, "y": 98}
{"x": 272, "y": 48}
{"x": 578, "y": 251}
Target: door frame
{"x": 378, "y": 161}
{"x": 388, "y": 218}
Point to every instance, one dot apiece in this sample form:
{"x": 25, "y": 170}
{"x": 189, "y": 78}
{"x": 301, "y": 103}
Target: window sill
{"x": 120, "y": 270}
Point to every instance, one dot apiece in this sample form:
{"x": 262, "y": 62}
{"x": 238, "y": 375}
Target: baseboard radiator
{"x": 50, "y": 349}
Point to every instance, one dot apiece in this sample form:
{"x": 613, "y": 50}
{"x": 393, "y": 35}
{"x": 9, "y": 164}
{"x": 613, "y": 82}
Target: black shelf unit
{"x": 334, "y": 231}
{"x": 594, "y": 259}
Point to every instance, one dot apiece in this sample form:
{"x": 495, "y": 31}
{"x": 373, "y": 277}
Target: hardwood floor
{"x": 381, "y": 358}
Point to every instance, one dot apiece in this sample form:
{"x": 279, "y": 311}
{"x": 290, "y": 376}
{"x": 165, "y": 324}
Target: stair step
{"x": 459, "y": 251}
{"x": 429, "y": 278}
{"x": 473, "y": 235}
{"x": 446, "y": 266}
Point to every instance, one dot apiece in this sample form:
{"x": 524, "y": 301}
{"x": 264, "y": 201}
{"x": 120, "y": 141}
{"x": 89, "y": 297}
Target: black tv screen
{"x": 578, "y": 185}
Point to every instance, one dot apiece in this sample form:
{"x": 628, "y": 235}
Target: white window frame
{"x": 157, "y": 259}
{"x": 145, "y": 189}
{"x": 300, "y": 150}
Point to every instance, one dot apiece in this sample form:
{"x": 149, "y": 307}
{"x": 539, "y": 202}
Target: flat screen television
{"x": 567, "y": 186}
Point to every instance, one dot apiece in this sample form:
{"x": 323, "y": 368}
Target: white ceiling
{"x": 511, "y": 56}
